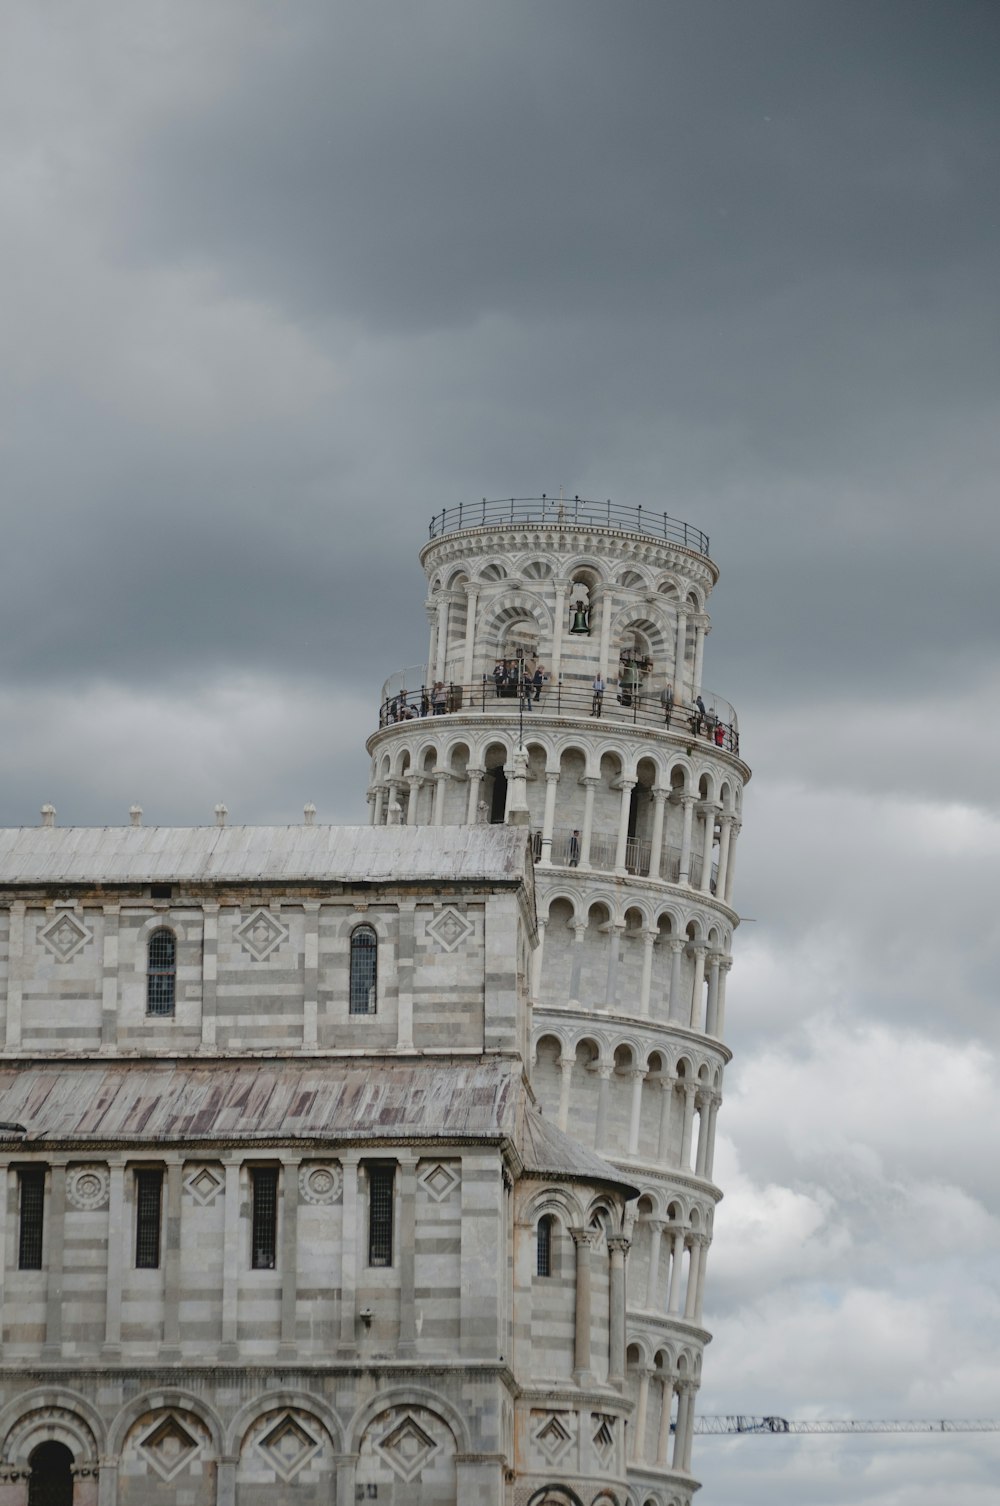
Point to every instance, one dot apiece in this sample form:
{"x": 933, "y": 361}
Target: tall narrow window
{"x": 543, "y": 1246}
{"x": 32, "y": 1218}
{"x": 381, "y": 1180}
{"x": 148, "y": 1205}
{"x": 264, "y": 1217}
{"x": 364, "y": 970}
{"x": 161, "y": 973}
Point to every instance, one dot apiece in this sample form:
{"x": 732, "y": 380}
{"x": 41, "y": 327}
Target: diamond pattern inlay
{"x": 261, "y": 934}
{"x": 439, "y": 1180}
{"x": 288, "y": 1447}
{"x": 450, "y": 928}
{"x": 204, "y": 1185}
{"x": 168, "y": 1447}
{"x": 553, "y": 1437}
{"x": 64, "y": 936}
{"x": 407, "y": 1449}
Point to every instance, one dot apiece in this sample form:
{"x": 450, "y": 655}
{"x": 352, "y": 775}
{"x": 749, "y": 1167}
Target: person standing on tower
{"x": 598, "y": 689}
{"x": 667, "y": 702}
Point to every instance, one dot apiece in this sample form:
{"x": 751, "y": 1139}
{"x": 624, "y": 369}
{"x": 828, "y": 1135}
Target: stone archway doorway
{"x": 51, "y": 1480}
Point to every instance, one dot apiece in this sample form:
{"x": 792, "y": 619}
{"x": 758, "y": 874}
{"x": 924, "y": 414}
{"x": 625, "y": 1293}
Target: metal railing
{"x": 568, "y": 512}
{"x": 713, "y": 721}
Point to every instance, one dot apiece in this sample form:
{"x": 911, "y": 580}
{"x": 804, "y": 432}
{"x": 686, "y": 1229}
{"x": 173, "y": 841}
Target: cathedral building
{"x": 375, "y": 1163}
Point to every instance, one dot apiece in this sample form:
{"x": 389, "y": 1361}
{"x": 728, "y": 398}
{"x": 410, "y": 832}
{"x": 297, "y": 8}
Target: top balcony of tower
{"x": 570, "y": 513}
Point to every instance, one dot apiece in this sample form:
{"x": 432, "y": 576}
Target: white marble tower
{"x": 635, "y": 806}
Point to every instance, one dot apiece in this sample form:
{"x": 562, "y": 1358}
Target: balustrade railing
{"x": 566, "y": 852}
{"x": 567, "y": 512}
{"x": 709, "y": 719}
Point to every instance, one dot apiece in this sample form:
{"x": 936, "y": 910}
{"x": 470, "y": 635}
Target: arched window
{"x": 51, "y": 1480}
{"x": 161, "y": 973}
{"x": 543, "y": 1246}
{"x": 364, "y": 970}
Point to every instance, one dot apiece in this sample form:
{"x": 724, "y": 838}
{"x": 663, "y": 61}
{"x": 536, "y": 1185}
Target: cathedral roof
{"x": 547, "y": 1152}
{"x": 276, "y": 854}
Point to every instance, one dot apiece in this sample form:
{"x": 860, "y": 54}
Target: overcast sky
{"x": 280, "y": 281}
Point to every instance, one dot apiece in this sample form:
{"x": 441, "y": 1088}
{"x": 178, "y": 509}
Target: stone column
{"x": 581, "y": 1352}
{"x": 675, "y": 1006}
{"x": 698, "y": 952}
{"x": 656, "y": 840}
{"x": 617, "y": 1250}
{"x": 475, "y": 777}
{"x": 708, "y": 822}
{"x": 615, "y": 932}
{"x": 226, "y": 1477}
{"x": 289, "y": 1255}
{"x": 405, "y": 961}
{"x": 590, "y": 783}
{"x": 712, "y": 1012}
{"x": 666, "y": 1402}
{"x": 558, "y": 625}
{"x": 703, "y": 1103}
{"x": 628, "y": 785}
{"x": 579, "y": 933}
{"x": 605, "y": 597}
{"x": 56, "y": 1211}
{"x": 667, "y": 1084}
{"x": 688, "y": 802}
{"x": 109, "y": 978}
{"x": 171, "y": 1347}
{"x": 688, "y": 1430}
{"x": 411, "y": 814}
{"x": 407, "y": 1248}
{"x": 725, "y": 967}
{"x": 689, "y": 1092}
{"x": 441, "y": 778}
{"x": 725, "y": 837}
{"x": 310, "y": 973}
{"x": 713, "y": 1114}
{"x": 700, "y": 631}
{"x": 642, "y": 1404}
{"x": 604, "y": 1071}
{"x": 549, "y": 818}
{"x": 15, "y": 973}
{"x": 676, "y": 1265}
{"x": 377, "y": 808}
{"x": 566, "y": 1065}
{"x": 638, "y": 1076}
{"x": 680, "y": 666}
{"x": 442, "y": 637}
{"x": 691, "y": 1295}
{"x": 231, "y": 1250}
{"x": 472, "y": 603}
{"x": 700, "y": 1290}
{"x": 656, "y": 1228}
{"x": 349, "y": 1256}
{"x": 432, "y": 617}
{"x": 680, "y": 1436}
{"x": 107, "y": 1482}
{"x": 116, "y": 1235}
{"x": 731, "y": 865}
{"x": 649, "y": 940}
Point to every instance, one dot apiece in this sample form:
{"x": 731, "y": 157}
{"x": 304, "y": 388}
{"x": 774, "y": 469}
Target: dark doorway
{"x": 498, "y": 799}
{"x": 51, "y": 1483}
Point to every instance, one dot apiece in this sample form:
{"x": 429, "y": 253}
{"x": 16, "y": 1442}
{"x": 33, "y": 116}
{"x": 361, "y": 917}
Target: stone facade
{"x": 274, "y": 1179}
{"x": 631, "y": 784}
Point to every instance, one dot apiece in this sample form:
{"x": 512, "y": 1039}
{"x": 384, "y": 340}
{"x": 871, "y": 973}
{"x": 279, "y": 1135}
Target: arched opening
{"x": 51, "y": 1481}
{"x": 498, "y": 794}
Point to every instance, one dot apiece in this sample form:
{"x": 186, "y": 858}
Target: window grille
{"x": 148, "y": 1205}
{"x": 381, "y": 1181}
{"x": 543, "y": 1247}
{"x": 161, "y": 975}
{"x": 32, "y": 1189}
{"x": 364, "y": 970}
{"x": 264, "y": 1219}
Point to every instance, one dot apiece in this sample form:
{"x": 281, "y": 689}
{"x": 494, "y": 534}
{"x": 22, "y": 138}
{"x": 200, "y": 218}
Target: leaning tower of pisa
{"x": 633, "y": 797}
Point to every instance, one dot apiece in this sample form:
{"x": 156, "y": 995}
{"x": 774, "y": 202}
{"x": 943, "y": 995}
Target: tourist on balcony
{"x": 720, "y": 734}
{"x": 598, "y": 689}
{"x": 439, "y": 700}
{"x": 701, "y": 713}
{"x": 574, "y": 850}
{"x": 667, "y": 702}
{"x": 500, "y": 677}
{"x": 538, "y": 680}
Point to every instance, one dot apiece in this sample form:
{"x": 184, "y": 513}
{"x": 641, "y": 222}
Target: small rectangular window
{"x": 31, "y": 1186}
{"x": 148, "y": 1205}
{"x": 264, "y": 1217}
{"x": 381, "y": 1182}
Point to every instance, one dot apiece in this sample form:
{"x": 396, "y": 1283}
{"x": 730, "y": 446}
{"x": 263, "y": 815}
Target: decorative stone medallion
{"x": 87, "y": 1187}
{"x": 288, "y": 1447}
{"x": 450, "y": 928}
{"x": 64, "y": 936}
{"x": 204, "y": 1184}
{"x": 604, "y": 1436}
{"x": 261, "y": 934}
{"x": 407, "y": 1448}
{"x": 320, "y": 1182}
{"x": 169, "y": 1447}
{"x": 440, "y": 1180}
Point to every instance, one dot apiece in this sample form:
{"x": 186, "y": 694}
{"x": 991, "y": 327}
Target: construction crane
{"x": 738, "y": 1423}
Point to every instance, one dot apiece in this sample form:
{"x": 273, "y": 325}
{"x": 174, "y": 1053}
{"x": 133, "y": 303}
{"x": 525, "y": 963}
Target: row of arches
{"x": 591, "y": 570}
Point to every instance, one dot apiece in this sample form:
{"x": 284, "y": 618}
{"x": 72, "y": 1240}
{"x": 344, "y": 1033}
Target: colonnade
{"x": 666, "y": 1386}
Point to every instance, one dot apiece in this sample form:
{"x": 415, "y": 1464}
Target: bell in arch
{"x": 581, "y": 618}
